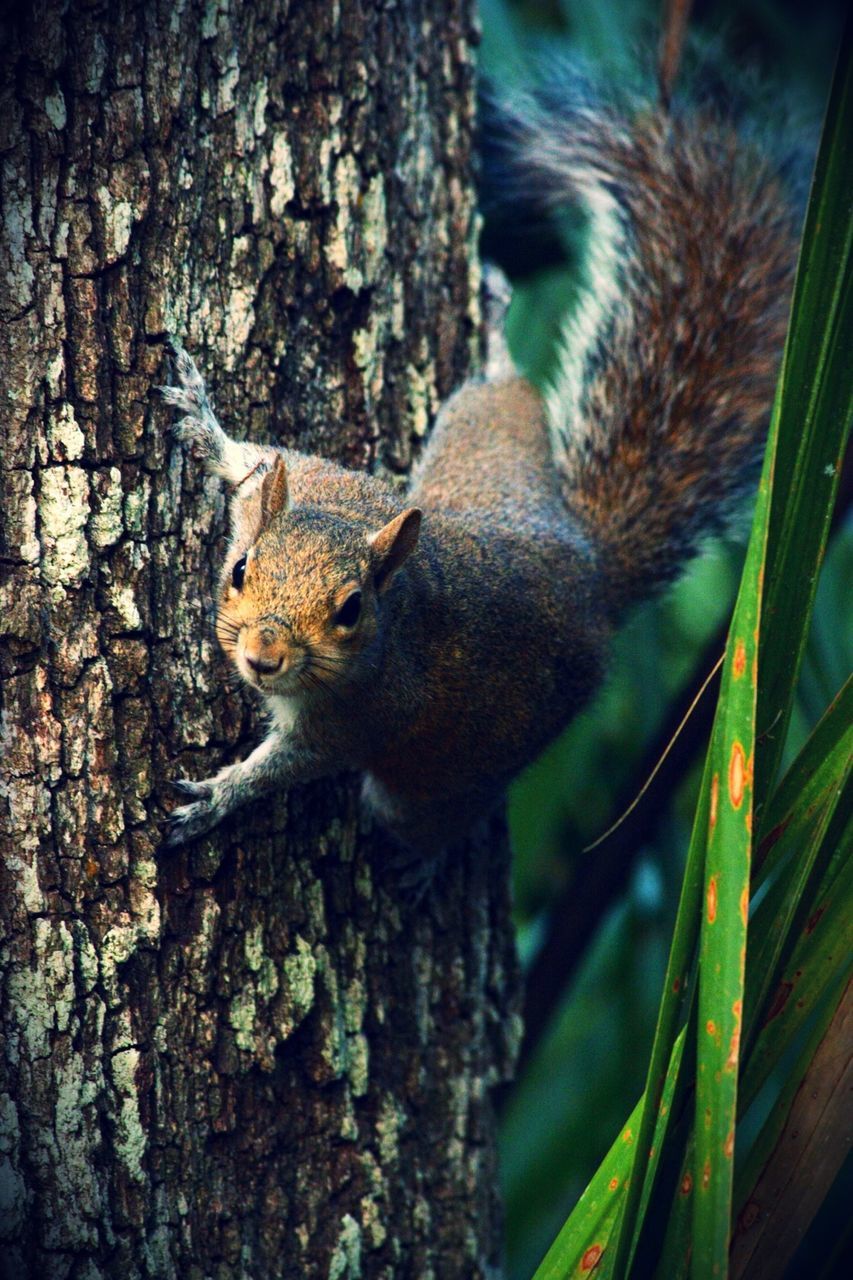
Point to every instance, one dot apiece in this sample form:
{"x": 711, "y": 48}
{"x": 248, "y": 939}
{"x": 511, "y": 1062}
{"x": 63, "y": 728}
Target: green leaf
{"x": 748, "y": 1174}
{"x": 819, "y": 959}
{"x": 819, "y": 963}
{"x": 677, "y": 1248}
{"x": 586, "y": 1233}
{"x": 820, "y": 953}
{"x": 798, "y": 818}
{"x": 584, "y": 1241}
{"x": 725, "y": 909}
{"x": 670, "y": 1015}
{"x": 815, "y": 410}
{"x": 811, "y": 1145}
{"x": 822, "y": 765}
{"x": 809, "y": 426}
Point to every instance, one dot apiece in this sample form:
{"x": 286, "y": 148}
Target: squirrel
{"x": 436, "y": 643}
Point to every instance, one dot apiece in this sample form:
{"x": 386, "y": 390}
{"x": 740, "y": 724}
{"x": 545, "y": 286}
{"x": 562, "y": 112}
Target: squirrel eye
{"x": 350, "y": 611}
{"x": 238, "y": 573}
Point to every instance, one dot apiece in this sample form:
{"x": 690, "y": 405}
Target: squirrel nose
{"x": 263, "y": 666}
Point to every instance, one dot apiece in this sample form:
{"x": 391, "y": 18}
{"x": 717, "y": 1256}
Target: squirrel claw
{"x": 174, "y": 834}
{"x": 195, "y": 790}
{"x": 191, "y": 820}
{"x": 188, "y": 822}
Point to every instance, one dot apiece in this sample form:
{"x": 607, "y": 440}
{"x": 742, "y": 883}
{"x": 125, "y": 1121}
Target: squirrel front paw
{"x": 198, "y": 430}
{"x": 191, "y": 820}
{"x": 188, "y": 394}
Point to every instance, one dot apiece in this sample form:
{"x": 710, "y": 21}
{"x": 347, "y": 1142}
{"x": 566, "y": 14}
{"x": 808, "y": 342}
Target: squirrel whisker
{"x": 315, "y": 680}
{"x": 324, "y": 664}
{"x": 226, "y": 625}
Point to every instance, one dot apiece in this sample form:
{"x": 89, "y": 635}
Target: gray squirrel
{"x": 437, "y": 643}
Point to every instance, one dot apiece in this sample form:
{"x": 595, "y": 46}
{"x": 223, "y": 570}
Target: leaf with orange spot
{"x": 724, "y": 926}
{"x": 591, "y": 1258}
{"x": 815, "y": 963}
{"x": 739, "y": 663}
{"x": 597, "y": 1214}
{"x": 806, "y": 831}
{"x": 737, "y": 775}
{"x": 715, "y": 800}
{"x": 744, "y": 905}
{"x": 734, "y": 1044}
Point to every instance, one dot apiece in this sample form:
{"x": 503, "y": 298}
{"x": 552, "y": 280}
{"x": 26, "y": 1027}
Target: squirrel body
{"x": 437, "y": 643}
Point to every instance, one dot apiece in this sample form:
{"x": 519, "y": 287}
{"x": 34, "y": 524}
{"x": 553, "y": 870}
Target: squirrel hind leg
{"x": 426, "y": 835}
{"x": 417, "y": 851}
{"x": 416, "y": 872}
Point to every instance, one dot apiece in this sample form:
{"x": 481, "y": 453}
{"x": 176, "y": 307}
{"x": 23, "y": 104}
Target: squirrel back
{"x": 669, "y": 363}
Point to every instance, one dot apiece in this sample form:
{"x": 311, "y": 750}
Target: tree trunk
{"x": 250, "y": 1058}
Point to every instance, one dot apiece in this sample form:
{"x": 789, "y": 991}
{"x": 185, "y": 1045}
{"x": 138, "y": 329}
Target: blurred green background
{"x": 585, "y": 1068}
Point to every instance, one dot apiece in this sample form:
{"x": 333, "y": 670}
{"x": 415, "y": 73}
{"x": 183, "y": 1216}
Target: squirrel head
{"x": 301, "y": 604}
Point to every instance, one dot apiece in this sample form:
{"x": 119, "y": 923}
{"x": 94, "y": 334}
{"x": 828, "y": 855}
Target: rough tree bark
{"x": 249, "y": 1058}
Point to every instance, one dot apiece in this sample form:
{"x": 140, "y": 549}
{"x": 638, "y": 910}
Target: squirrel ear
{"x": 274, "y": 491}
{"x": 392, "y": 544}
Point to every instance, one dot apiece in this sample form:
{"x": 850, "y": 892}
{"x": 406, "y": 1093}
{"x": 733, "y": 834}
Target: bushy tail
{"x": 670, "y": 360}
